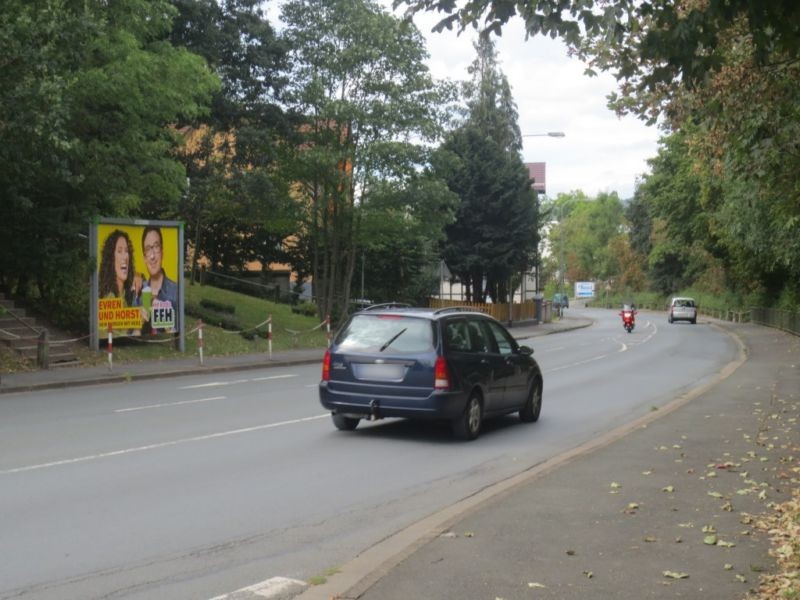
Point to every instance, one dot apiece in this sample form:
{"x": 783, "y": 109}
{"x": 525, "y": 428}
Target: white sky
{"x": 599, "y": 153}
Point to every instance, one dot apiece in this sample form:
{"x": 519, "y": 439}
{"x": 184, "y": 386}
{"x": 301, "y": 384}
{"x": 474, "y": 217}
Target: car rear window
{"x": 390, "y": 334}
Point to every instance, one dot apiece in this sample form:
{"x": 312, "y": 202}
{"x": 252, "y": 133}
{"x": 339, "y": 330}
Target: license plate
{"x": 376, "y": 372}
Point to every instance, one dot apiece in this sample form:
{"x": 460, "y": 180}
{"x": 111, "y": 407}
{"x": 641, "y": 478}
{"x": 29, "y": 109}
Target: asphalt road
{"x": 193, "y": 487}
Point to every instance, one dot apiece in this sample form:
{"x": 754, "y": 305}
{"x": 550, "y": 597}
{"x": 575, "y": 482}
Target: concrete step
{"x": 21, "y": 333}
{"x": 18, "y": 330}
{"x": 54, "y": 354}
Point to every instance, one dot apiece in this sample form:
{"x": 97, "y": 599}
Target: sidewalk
{"x": 60, "y": 377}
{"x": 665, "y": 508}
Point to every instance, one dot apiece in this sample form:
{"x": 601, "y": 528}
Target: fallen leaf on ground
{"x": 674, "y": 575}
{"x": 710, "y": 540}
{"x": 669, "y": 489}
{"x": 533, "y": 584}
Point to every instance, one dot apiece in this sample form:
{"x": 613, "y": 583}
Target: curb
{"x": 128, "y": 377}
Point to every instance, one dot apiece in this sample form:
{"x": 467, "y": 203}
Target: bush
{"x": 305, "y": 308}
{"x": 212, "y": 317}
{"x": 218, "y": 306}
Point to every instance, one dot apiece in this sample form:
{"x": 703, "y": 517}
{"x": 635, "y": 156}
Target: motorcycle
{"x": 628, "y": 318}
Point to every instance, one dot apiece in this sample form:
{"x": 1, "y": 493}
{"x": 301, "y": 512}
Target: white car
{"x": 682, "y": 309}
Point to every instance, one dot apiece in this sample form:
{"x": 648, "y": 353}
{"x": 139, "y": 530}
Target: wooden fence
{"x": 525, "y": 311}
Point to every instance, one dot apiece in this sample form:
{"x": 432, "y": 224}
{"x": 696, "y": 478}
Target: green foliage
{"x": 210, "y": 316}
{"x": 401, "y": 229}
{"x": 358, "y": 78}
{"x": 724, "y": 77}
{"x": 584, "y": 235}
{"x": 305, "y": 308}
{"x": 237, "y": 206}
{"x": 87, "y": 100}
{"x": 495, "y": 233}
{"x": 219, "y": 307}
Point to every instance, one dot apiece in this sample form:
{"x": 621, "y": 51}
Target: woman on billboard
{"x": 117, "y": 271}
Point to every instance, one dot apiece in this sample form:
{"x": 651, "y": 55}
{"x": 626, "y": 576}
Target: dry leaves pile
{"x": 784, "y": 530}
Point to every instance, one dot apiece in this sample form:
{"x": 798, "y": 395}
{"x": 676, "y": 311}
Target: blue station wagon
{"x": 453, "y": 363}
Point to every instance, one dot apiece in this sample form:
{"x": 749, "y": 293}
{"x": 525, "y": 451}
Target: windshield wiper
{"x": 393, "y": 338}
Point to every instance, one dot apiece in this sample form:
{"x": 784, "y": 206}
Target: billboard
{"x": 137, "y": 288}
{"x": 584, "y": 289}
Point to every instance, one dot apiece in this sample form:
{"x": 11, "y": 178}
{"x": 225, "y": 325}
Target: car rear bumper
{"x": 436, "y": 405}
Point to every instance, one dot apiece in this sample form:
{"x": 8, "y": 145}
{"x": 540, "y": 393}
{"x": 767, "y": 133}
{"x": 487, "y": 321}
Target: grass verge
{"x": 289, "y": 331}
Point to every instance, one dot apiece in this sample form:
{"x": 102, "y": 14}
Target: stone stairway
{"x": 22, "y": 333}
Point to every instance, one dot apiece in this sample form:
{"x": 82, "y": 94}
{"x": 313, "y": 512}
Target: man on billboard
{"x": 159, "y": 296}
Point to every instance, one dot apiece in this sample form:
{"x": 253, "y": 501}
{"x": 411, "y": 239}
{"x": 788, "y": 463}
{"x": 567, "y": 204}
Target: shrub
{"x": 219, "y": 307}
{"x": 308, "y": 309}
{"x": 212, "y": 317}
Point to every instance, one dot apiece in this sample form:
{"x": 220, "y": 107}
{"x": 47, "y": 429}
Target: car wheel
{"x": 344, "y": 423}
{"x": 467, "y": 426}
{"x": 694, "y": 321}
{"x": 533, "y": 405}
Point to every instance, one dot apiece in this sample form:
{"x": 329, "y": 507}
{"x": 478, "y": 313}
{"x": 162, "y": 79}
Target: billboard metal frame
{"x": 94, "y": 337}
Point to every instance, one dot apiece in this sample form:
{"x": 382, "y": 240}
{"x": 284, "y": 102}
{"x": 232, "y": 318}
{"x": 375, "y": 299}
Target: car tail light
{"x": 326, "y": 366}
{"x": 440, "y": 374}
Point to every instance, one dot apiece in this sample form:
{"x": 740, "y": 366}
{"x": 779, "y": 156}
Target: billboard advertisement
{"x": 138, "y": 281}
{"x": 584, "y": 289}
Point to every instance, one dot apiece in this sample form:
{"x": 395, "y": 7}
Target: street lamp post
{"x": 553, "y": 134}
{"x": 562, "y": 265}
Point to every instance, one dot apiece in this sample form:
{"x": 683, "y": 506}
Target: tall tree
{"x": 496, "y": 233}
{"x": 402, "y": 228}
{"x": 237, "y": 207}
{"x": 358, "y": 77}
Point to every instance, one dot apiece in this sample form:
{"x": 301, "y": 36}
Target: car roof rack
{"x": 385, "y": 305}
{"x": 457, "y": 309}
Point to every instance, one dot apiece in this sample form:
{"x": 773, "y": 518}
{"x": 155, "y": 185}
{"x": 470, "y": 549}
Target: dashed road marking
{"x": 197, "y": 438}
{"x": 198, "y": 386}
{"x": 168, "y": 404}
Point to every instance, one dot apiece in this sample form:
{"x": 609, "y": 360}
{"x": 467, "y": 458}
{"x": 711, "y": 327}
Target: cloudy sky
{"x": 599, "y": 153}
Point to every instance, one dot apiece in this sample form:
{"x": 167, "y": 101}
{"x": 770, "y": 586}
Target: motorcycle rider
{"x": 628, "y": 315}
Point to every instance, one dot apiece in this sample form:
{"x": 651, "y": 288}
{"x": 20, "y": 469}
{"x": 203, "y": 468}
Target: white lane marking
{"x": 165, "y": 404}
{"x": 623, "y": 348}
{"x": 274, "y": 377}
{"x": 276, "y": 587}
{"x": 540, "y": 351}
{"x": 197, "y": 438}
{"x": 212, "y": 384}
{"x": 234, "y": 382}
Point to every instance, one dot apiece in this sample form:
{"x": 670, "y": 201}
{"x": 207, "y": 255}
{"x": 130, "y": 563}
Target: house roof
{"x": 537, "y": 172}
